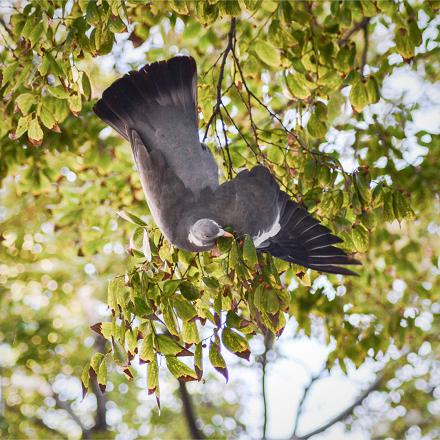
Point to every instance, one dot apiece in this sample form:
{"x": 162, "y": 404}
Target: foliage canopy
{"x": 296, "y": 86}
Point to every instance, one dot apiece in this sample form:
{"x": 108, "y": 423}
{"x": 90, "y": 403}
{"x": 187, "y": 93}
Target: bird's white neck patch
{"x": 265, "y": 235}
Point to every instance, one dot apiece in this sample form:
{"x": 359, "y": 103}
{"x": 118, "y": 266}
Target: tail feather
{"x": 303, "y": 240}
{"x": 141, "y": 98}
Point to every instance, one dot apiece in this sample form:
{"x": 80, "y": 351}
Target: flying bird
{"x": 155, "y": 109}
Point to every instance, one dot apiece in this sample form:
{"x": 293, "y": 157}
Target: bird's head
{"x": 205, "y": 231}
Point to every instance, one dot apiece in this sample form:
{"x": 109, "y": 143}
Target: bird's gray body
{"x": 156, "y": 110}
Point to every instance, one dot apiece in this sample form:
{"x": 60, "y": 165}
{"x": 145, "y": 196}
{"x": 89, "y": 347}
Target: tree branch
{"x": 101, "y": 399}
{"x": 268, "y": 341}
{"x": 216, "y": 110}
{"x": 189, "y": 412}
{"x": 68, "y": 408}
{"x": 361, "y": 25}
{"x": 303, "y": 400}
{"x": 364, "y": 51}
{"x": 344, "y": 414}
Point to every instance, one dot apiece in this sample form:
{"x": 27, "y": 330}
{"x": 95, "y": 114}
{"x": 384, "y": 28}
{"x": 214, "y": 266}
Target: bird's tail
{"x": 303, "y": 240}
{"x": 141, "y": 99}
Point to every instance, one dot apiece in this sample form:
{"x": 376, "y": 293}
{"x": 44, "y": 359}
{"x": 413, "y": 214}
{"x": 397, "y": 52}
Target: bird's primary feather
{"x": 160, "y": 102}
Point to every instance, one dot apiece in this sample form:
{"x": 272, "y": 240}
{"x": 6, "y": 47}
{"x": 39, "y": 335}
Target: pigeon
{"x": 155, "y": 109}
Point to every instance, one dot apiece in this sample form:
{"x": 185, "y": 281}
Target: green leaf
{"x": 25, "y": 102}
{"x": 8, "y": 72}
{"x": 359, "y": 96}
{"x": 146, "y": 353}
{"x": 75, "y": 103}
{"x": 198, "y": 360}
{"x": 48, "y": 120}
{"x": 267, "y": 53}
{"x": 361, "y": 238}
{"x": 388, "y": 209}
{"x": 404, "y": 44}
{"x": 363, "y": 187}
{"x": 102, "y": 375}
{"x": 297, "y": 86}
{"x": 86, "y": 86}
{"x": 184, "y": 309}
{"x": 270, "y": 302}
{"x": 85, "y": 379}
{"x": 22, "y": 127}
{"x": 189, "y": 291}
{"x": 168, "y": 347}
{"x": 96, "y": 362}
{"x": 401, "y": 207}
{"x": 57, "y": 92}
{"x": 311, "y": 170}
{"x": 190, "y": 334}
{"x": 170, "y": 287}
{"x": 369, "y": 219}
{"x": 217, "y": 360}
{"x": 35, "y": 133}
{"x": 153, "y": 376}
{"x": 116, "y": 25}
{"x": 36, "y": 33}
{"x": 170, "y": 320}
{"x": 236, "y": 343}
{"x": 92, "y": 13}
{"x": 415, "y": 35}
{"x": 249, "y": 252}
{"x": 180, "y": 370}
{"x": 316, "y": 127}
{"x": 131, "y": 218}
{"x": 55, "y": 67}
{"x": 368, "y": 8}
{"x": 372, "y": 90}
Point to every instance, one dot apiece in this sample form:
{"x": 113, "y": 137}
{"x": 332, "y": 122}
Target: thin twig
{"x": 220, "y": 77}
{"x": 344, "y": 414}
{"x": 364, "y": 51}
{"x": 361, "y": 25}
{"x": 67, "y": 407}
{"x": 301, "y": 403}
{"x": 268, "y": 342}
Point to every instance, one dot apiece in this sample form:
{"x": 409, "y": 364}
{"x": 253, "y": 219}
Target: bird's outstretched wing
{"x": 252, "y": 203}
{"x": 160, "y": 102}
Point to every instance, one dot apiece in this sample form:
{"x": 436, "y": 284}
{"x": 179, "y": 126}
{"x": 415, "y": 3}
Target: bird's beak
{"x": 227, "y": 234}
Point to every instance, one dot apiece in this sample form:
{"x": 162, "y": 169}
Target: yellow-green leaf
{"x": 249, "y": 252}
{"x": 236, "y": 343}
{"x": 361, "y": 238}
{"x": 57, "y": 92}
{"x": 25, "y": 102}
{"x": 316, "y": 127}
{"x": 35, "y": 133}
{"x": 267, "y": 53}
{"x": 198, "y": 360}
{"x": 359, "y": 96}
{"x": 190, "y": 334}
{"x": 168, "y": 347}
{"x": 102, "y": 375}
{"x": 153, "y": 376}
{"x": 217, "y": 360}
{"x": 180, "y": 370}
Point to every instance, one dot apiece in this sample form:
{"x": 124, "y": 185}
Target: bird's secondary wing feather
{"x": 253, "y": 204}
